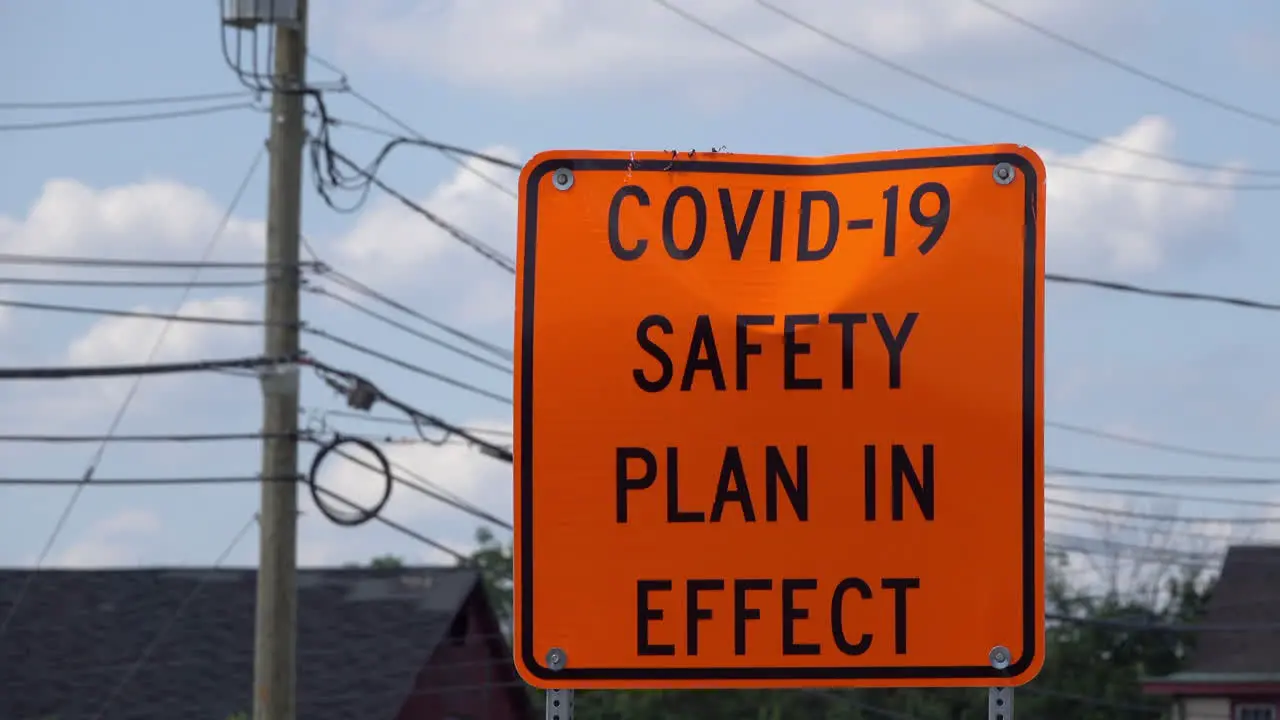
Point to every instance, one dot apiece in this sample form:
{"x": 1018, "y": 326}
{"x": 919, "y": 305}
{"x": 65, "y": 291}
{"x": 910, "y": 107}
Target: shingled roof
{"x": 76, "y": 641}
{"x": 1246, "y": 596}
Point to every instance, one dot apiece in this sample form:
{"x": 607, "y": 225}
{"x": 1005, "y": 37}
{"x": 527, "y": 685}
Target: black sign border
{"x": 566, "y": 676}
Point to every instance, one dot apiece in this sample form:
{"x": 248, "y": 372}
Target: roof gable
{"x": 1246, "y": 595}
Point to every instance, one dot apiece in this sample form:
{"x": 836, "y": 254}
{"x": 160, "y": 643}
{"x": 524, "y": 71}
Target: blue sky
{"x": 490, "y": 75}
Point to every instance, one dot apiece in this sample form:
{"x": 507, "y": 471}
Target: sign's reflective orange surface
{"x": 779, "y": 420}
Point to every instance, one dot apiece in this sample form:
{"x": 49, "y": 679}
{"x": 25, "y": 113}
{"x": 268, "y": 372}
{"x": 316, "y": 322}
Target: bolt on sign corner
{"x": 779, "y": 420}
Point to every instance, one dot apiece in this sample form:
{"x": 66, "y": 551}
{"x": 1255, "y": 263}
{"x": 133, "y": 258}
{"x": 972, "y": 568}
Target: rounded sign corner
{"x": 1026, "y": 669}
{"x": 530, "y": 668}
{"x": 540, "y": 164}
{"x": 1026, "y": 159}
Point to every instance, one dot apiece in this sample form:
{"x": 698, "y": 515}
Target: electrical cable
{"x": 422, "y": 486}
{"x": 1109, "y": 525}
{"x": 363, "y": 515}
{"x": 931, "y": 130}
{"x": 1131, "y": 69}
{"x": 123, "y": 119}
{"x": 354, "y": 285}
{"x": 144, "y": 438}
{"x": 126, "y": 102}
{"x": 139, "y": 314}
{"x": 451, "y": 152}
{"x": 101, "y": 262}
{"x": 1164, "y": 479}
{"x": 173, "y": 619}
{"x": 419, "y": 483}
{"x": 415, "y": 139}
{"x": 101, "y": 371}
{"x": 996, "y": 107}
{"x": 411, "y": 367}
{"x": 363, "y": 394}
{"x": 1162, "y": 446}
{"x": 480, "y": 247}
{"x": 1160, "y": 517}
{"x": 401, "y": 421}
{"x": 130, "y": 284}
{"x": 1167, "y": 294}
{"x": 400, "y": 528}
{"x": 323, "y": 292}
{"x": 1126, "y": 492}
{"x": 444, "y": 150}
{"x": 97, "y": 482}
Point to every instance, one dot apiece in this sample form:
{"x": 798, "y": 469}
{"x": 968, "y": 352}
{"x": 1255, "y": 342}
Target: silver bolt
{"x": 999, "y": 657}
{"x": 556, "y": 658}
{"x": 562, "y": 179}
{"x": 1004, "y": 174}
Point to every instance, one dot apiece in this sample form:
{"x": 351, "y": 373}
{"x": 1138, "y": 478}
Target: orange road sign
{"x": 779, "y": 420}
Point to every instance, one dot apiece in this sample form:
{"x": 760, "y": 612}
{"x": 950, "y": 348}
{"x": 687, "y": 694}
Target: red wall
{"x": 470, "y": 676}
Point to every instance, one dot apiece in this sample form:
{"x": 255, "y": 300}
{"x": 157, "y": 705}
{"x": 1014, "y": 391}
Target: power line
{"x": 1162, "y": 446}
{"x": 402, "y": 421}
{"x": 130, "y": 284}
{"x": 1107, "y": 524}
{"x": 1161, "y": 478}
{"x": 398, "y": 527}
{"x": 416, "y": 139}
{"x": 1158, "y": 517}
{"x": 451, "y": 152}
{"x": 103, "y": 371}
{"x": 1154, "y": 494}
{"x": 1128, "y": 68}
{"x": 444, "y": 150}
{"x": 123, "y": 119}
{"x": 143, "y": 482}
{"x": 411, "y": 367}
{"x": 173, "y": 619}
{"x": 363, "y": 394}
{"x": 356, "y": 286}
{"x": 125, "y": 102}
{"x": 138, "y": 314}
{"x": 412, "y": 331}
{"x": 103, "y": 262}
{"x": 472, "y": 242}
{"x": 135, "y": 438}
{"x": 929, "y": 129}
{"x": 996, "y": 107}
{"x": 429, "y": 489}
{"x": 1167, "y": 294}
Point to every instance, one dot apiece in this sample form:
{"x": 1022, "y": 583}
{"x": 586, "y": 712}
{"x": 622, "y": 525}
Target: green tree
{"x": 1092, "y": 671}
{"x": 496, "y": 562}
{"x": 386, "y": 562}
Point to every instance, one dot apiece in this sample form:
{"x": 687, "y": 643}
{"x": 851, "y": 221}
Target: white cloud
{"x": 558, "y": 45}
{"x": 120, "y": 340}
{"x": 158, "y": 219}
{"x": 115, "y": 541}
{"x": 1105, "y": 221}
{"x": 393, "y": 245}
{"x": 125, "y": 341}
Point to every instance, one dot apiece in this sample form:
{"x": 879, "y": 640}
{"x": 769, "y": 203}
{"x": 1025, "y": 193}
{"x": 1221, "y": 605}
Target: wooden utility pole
{"x": 276, "y": 631}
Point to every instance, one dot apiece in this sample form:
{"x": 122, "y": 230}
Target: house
{"x": 1234, "y": 671}
{"x": 373, "y": 644}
